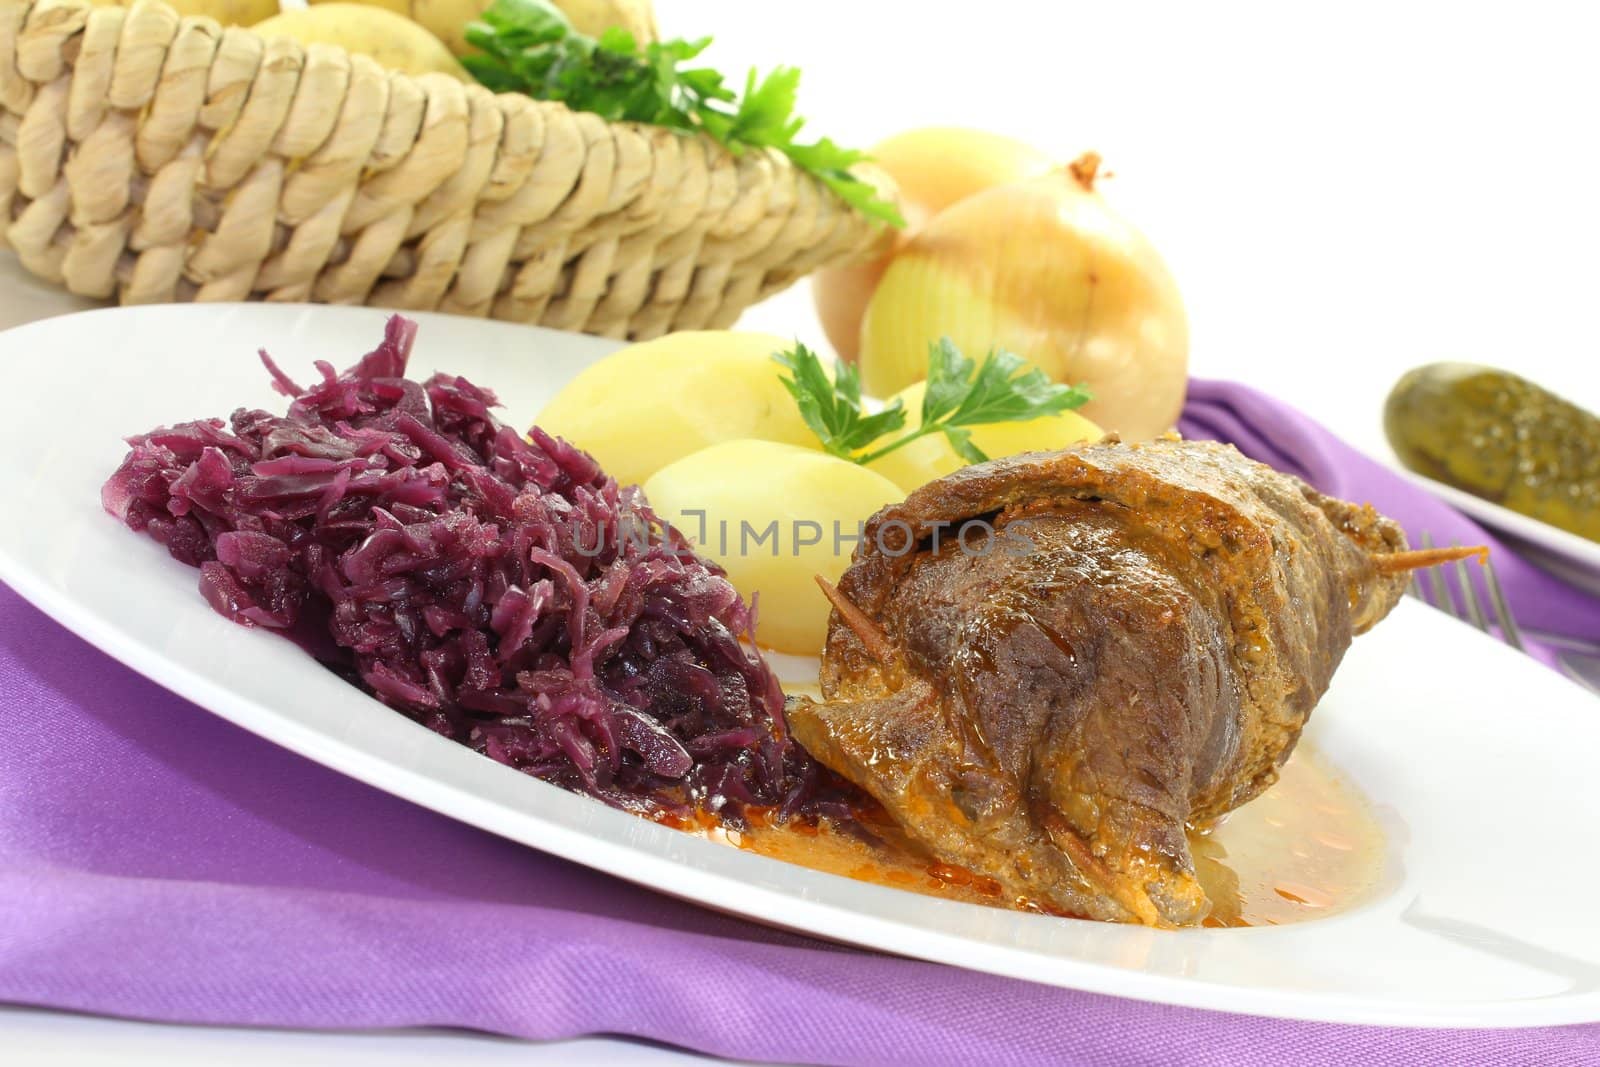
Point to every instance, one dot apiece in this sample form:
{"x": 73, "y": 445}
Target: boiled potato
{"x": 651, "y": 403}
{"x": 768, "y": 512}
{"x": 394, "y": 41}
{"x": 931, "y": 457}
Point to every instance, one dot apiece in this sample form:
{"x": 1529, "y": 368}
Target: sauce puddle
{"x": 1307, "y": 848}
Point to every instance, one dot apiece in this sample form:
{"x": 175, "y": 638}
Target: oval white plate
{"x": 1479, "y": 760}
{"x": 1571, "y": 558}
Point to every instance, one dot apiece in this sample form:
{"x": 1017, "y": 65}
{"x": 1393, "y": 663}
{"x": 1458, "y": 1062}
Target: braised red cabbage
{"x": 500, "y": 589}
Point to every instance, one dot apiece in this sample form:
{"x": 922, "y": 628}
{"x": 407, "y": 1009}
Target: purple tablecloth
{"x": 159, "y": 863}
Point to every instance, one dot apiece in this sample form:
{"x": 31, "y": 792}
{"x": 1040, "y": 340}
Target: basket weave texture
{"x": 154, "y": 158}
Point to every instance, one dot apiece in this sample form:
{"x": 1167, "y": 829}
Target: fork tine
{"x": 1420, "y": 590}
{"x": 1436, "y": 592}
{"x": 1469, "y": 596}
{"x": 1502, "y": 610}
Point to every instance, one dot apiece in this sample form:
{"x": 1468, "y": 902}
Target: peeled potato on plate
{"x": 652, "y": 403}
{"x": 774, "y": 516}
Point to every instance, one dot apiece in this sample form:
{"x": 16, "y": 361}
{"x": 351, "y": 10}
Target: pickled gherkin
{"x": 1500, "y": 437}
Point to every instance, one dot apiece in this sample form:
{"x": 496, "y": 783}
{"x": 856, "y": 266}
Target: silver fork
{"x": 1469, "y": 606}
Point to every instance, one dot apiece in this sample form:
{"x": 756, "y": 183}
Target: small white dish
{"x": 1479, "y": 761}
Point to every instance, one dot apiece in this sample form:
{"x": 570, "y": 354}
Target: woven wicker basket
{"x": 152, "y": 159}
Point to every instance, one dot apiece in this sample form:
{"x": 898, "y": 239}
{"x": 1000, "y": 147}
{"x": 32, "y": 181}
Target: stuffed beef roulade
{"x": 1047, "y": 668}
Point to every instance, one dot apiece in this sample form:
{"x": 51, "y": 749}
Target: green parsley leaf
{"x": 1000, "y": 393}
{"x": 529, "y": 46}
{"x": 948, "y": 374}
{"x": 831, "y": 406}
{"x": 961, "y": 440}
{"x": 959, "y": 395}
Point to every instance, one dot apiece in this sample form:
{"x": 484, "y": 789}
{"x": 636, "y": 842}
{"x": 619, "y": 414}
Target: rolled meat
{"x": 1046, "y": 667}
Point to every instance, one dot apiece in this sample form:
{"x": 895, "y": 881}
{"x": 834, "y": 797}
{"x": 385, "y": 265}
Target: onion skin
{"x": 1041, "y": 267}
{"x": 932, "y": 168}
{"x": 841, "y": 293}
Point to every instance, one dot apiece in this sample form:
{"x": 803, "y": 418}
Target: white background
{"x": 1343, "y": 191}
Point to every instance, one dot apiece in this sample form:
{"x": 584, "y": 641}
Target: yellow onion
{"x": 1045, "y": 268}
{"x": 932, "y": 168}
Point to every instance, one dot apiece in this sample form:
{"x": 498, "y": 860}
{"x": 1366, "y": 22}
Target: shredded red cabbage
{"x": 501, "y": 590}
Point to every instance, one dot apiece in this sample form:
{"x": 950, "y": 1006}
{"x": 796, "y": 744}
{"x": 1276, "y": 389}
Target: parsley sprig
{"x": 960, "y": 394}
{"x": 529, "y": 46}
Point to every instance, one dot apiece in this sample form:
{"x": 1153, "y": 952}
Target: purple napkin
{"x": 159, "y": 863}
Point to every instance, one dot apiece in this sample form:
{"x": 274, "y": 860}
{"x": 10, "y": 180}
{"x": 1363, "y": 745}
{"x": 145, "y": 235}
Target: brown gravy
{"x": 1307, "y": 848}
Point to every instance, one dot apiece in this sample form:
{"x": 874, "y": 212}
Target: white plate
{"x": 1573, "y": 559}
{"x": 1480, "y": 761}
